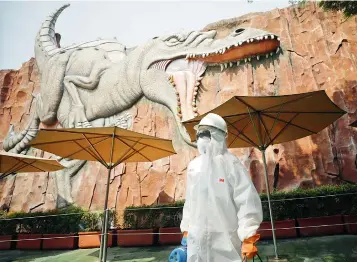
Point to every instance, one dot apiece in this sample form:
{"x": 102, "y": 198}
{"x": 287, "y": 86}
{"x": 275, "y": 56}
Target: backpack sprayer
{"x": 179, "y": 254}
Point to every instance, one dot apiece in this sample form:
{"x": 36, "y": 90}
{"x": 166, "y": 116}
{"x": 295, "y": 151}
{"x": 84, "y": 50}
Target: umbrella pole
{"x": 104, "y": 236}
{"x": 270, "y": 209}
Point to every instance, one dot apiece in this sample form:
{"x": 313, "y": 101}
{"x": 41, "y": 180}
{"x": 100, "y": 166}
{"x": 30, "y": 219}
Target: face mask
{"x": 202, "y": 144}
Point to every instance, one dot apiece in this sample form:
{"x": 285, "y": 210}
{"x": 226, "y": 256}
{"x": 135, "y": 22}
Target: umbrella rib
{"x": 126, "y": 152}
{"x": 135, "y": 149}
{"x": 241, "y": 133}
{"x": 95, "y": 150}
{"x": 294, "y": 100}
{"x": 192, "y": 121}
{"x": 130, "y": 155}
{"x": 89, "y": 152}
{"x": 255, "y": 129}
{"x": 286, "y": 125}
{"x": 69, "y": 156}
{"x": 275, "y": 121}
{"x": 265, "y": 128}
{"x": 238, "y": 98}
{"x": 308, "y": 130}
{"x": 143, "y": 143}
{"x": 69, "y": 140}
{"x": 15, "y": 169}
{"x": 306, "y": 112}
{"x": 112, "y": 149}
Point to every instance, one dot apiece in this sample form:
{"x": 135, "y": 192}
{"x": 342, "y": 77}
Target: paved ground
{"x": 322, "y": 249}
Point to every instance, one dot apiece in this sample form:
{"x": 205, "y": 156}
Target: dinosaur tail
{"x": 18, "y": 143}
{"x": 46, "y": 43}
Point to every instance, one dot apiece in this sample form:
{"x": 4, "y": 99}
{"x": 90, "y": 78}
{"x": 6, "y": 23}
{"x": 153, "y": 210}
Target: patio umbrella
{"x": 263, "y": 121}
{"x": 110, "y": 146}
{"x": 16, "y": 163}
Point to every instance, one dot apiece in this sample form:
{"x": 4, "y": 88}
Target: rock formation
{"x": 318, "y": 52}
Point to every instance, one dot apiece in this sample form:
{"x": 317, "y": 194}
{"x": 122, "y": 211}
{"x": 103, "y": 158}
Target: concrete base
{"x": 280, "y": 259}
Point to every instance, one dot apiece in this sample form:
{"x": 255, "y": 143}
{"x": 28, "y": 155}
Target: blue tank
{"x": 178, "y": 255}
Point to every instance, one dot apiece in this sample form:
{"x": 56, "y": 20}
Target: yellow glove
{"x": 249, "y": 250}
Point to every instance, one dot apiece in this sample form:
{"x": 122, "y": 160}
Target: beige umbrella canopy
{"x": 16, "y": 163}
{"x": 266, "y": 120}
{"x": 108, "y": 145}
{"x": 263, "y": 121}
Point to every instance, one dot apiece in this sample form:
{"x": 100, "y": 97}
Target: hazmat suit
{"x": 222, "y": 207}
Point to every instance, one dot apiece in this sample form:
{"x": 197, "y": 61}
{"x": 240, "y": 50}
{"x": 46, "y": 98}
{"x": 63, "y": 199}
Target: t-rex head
{"x": 185, "y": 56}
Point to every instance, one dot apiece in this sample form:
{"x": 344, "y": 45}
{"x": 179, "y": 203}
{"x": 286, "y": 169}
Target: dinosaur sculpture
{"x": 84, "y": 84}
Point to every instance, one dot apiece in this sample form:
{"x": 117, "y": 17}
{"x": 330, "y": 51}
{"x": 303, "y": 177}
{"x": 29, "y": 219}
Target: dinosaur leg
{"x": 77, "y": 116}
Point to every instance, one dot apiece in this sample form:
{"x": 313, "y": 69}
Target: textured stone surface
{"x": 319, "y": 52}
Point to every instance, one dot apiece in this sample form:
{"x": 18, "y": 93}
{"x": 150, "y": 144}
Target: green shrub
{"x": 92, "y": 221}
{"x": 6, "y": 227}
{"x": 284, "y": 205}
{"x": 53, "y": 221}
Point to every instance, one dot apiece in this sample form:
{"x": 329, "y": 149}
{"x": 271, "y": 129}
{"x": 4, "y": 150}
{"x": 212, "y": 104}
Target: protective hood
{"x": 213, "y": 146}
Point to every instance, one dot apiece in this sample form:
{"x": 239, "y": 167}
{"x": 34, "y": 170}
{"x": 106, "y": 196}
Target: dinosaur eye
{"x": 156, "y": 37}
{"x": 239, "y": 30}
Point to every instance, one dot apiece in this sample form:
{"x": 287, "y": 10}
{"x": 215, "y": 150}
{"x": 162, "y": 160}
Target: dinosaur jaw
{"x": 185, "y": 74}
{"x": 253, "y": 48}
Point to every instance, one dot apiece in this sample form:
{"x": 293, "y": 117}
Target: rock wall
{"x": 318, "y": 52}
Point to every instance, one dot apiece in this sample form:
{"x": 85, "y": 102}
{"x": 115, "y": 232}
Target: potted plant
{"x": 60, "y": 231}
{"x": 7, "y": 229}
{"x": 29, "y": 229}
{"x": 321, "y": 226}
{"x": 91, "y": 224}
{"x": 169, "y": 222}
{"x": 284, "y": 222}
{"x": 351, "y": 223}
{"x": 137, "y": 229}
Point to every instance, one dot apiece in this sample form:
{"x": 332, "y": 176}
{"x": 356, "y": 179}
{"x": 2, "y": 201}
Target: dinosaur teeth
{"x": 240, "y": 43}
{"x": 196, "y": 89}
{"x": 277, "y": 50}
{"x": 197, "y": 83}
{"x": 278, "y": 39}
{"x": 258, "y": 57}
{"x": 249, "y": 58}
{"x": 272, "y": 36}
{"x": 266, "y": 37}
{"x": 193, "y": 104}
{"x": 271, "y": 53}
{"x": 238, "y": 62}
{"x": 230, "y": 64}
{"x": 195, "y": 115}
{"x": 236, "y": 45}
{"x": 267, "y": 55}
{"x": 222, "y": 67}
{"x": 195, "y": 93}
{"x": 225, "y": 65}
{"x": 195, "y": 109}
{"x": 245, "y": 60}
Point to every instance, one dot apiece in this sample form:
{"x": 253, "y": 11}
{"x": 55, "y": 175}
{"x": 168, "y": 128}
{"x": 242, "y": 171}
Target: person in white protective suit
{"x": 222, "y": 207}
